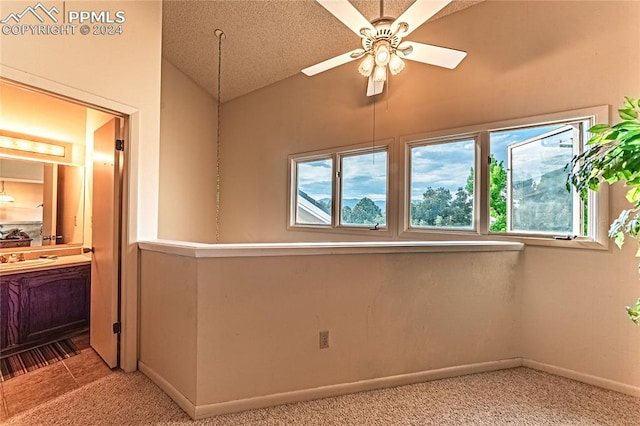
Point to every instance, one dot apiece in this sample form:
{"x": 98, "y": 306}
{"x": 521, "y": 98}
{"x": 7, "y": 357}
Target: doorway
{"x": 97, "y": 228}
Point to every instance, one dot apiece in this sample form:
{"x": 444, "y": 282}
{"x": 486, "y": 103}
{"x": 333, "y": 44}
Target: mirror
{"x": 47, "y": 207}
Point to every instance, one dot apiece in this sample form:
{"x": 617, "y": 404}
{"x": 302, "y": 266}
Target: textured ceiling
{"x": 266, "y": 40}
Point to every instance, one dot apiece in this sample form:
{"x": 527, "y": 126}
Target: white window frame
{"x": 339, "y": 178}
{"x": 336, "y": 154}
{"x": 577, "y": 213}
{"x": 293, "y": 205}
{"x": 598, "y": 204}
{"x": 409, "y": 145}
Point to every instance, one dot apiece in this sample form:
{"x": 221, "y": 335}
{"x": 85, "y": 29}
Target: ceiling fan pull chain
{"x": 386, "y": 96}
{"x": 373, "y": 138}
{"x": 220, "y": 35}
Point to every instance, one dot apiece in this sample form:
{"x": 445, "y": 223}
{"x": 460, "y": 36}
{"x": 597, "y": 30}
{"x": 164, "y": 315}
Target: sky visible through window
{"x": 314, "y": 178}
{"x": 501, "y": 140}
{"x": 364, "y": 175}
{"x": 445, "y": 165}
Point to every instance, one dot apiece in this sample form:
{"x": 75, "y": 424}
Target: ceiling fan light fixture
{"x": 4, "y": 197}
{"x": 380, "y": 73}
{"x": 382, "y": 54}
{"x": 396, "y": 65}
{"x": 366, "y": 66}
{"x": 382, "y": 42}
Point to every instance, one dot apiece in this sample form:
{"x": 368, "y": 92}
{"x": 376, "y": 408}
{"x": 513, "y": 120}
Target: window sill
{"x": 527, "y": 240}
{"x": 353, "y": 230}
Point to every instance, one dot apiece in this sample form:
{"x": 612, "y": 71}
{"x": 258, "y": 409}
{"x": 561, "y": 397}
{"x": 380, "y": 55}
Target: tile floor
{"x": 26, "y": 391}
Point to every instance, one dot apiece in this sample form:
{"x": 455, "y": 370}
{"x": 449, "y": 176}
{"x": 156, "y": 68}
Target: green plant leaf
{"x": 599, "y": 128}
{"x": 626, "y": 125}
{"x": 612, "y": 155}
{"x": 628, "y": 113}
{"x": 629, "y": 102}
{"x": 613, "y": 135}
{"x": 634, "y": 312}
{"x": 633, "y": 195}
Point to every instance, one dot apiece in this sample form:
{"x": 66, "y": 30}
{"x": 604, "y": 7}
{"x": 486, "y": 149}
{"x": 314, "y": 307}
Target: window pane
{"x": 314, "y": 192}
{"x": 536, "y": 199}
{"x": 364, "y": 189}
{"x": 442, "y": 184}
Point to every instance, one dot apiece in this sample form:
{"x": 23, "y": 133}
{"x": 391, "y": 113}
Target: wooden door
{"x": 105, "y": 228}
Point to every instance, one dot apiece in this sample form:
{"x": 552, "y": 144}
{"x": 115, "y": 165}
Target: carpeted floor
{"x": 517, "y": 396}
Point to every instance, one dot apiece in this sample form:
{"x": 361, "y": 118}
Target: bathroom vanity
{"x": 43, "y": 301}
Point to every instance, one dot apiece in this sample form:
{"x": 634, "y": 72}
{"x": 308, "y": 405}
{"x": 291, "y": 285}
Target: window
{"x": 505, "y": 179}
{"x": 360, "y": 198}
{"x": 363, "y": 189}
{"x": 314, "y": 189}
{"x": 441, "y": 186}
{"x": 528, "y": 180}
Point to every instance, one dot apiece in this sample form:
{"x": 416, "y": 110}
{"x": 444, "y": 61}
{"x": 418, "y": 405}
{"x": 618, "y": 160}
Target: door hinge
{"x": 119, "y": 144}
{"x": 117, "y": 327}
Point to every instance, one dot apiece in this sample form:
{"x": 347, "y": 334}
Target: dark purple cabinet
{"x": 38, "y": 307}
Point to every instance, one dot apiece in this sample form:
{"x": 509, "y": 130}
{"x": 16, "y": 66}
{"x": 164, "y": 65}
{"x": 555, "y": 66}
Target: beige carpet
{"x": 509, "y": 397}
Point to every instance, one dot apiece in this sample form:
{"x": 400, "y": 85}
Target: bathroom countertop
{"x": 43, "y": 264}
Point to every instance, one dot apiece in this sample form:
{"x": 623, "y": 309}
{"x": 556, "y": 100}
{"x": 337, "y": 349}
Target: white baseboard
{"x": 208, "y": 410}
{"x": 582, "y": 377}
{"x": 182, "y": 401}
{"x": 203, "y": 411}
{"x": 215, "y": 409}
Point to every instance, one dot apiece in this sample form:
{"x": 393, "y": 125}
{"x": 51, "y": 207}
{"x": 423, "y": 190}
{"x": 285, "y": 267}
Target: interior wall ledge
{"x": 202, "y": 250}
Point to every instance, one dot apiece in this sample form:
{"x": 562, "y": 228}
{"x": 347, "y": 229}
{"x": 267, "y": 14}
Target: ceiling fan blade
{"x": 432, "y": 55}
{"x": 374, "y": 87}
{"x": 418, "y": 13}
{"x": 332, "y": 63}
{"x": 347, "y": 14}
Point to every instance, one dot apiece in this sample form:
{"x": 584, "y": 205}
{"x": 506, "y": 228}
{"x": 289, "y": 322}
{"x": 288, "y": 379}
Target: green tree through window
{"x": 364, "y": 212}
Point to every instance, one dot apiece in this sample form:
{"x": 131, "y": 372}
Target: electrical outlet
{"x": 324, "y": 339}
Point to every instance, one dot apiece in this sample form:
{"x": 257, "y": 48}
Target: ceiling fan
{"x": 382, "y": 44}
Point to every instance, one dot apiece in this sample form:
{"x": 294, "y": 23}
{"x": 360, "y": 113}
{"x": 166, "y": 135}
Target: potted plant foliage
{"x": 613, "y": 155}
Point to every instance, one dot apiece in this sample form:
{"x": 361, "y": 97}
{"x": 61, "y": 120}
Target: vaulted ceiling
{"x": 266, "y": 40}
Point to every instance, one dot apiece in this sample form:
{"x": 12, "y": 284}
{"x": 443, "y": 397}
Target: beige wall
{"x": 387, "y": 315}
{"x": 525, "y": 58}
{"x": 251, "y": 324}
{"x": 168, "y": 319}
{"x": 33, "y": 114}
{"x": 187, "y": 205}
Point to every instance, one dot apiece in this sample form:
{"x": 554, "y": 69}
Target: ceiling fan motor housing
{"x": 384, "y": 35}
